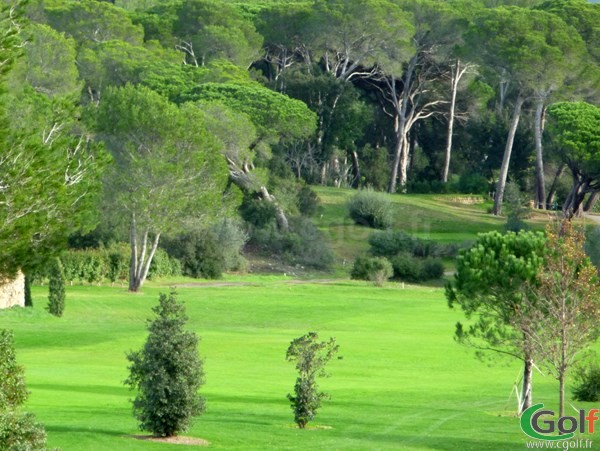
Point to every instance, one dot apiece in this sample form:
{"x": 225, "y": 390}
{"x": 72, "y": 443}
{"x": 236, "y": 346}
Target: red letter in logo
{"x": 591, "y": 419}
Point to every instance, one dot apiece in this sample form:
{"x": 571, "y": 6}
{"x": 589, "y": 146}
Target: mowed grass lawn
{"x": 403, "y": 383}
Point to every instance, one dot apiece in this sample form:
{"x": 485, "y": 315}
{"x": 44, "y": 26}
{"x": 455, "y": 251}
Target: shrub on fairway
{"x": 372, "y": 209}
{"x": 18, "y": 431}
{"x": 167, "y": 372}
{"x": 310, "y": 356}
{"x": 375, "y": 269}
{"x": 56, "y": 289}
{"x": 587, "y": 383}
{"x": 12, "y": 379}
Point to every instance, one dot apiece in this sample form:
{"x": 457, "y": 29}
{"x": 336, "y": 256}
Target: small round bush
{"x": 587, "y": 383}
{"x": 407, "y": 268}
{"x": 372, "y": 209}
{"x": 432, "y": 268}
{"x": 375, "y": 269}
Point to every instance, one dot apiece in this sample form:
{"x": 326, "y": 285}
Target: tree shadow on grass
{"x": 114, "y": 390}
{"x": 83, "y": 430}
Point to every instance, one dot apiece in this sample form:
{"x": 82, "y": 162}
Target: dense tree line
{"x": 183, "y": 109}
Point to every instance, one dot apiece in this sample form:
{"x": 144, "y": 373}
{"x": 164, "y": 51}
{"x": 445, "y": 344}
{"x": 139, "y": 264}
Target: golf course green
{"x": 402, "y": 381}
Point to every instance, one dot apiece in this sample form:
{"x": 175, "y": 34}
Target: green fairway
{"x": 403, "y": 383}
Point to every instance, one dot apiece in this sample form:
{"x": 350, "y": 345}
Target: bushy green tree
{"x": 56, "y": 288}
{"x": 310, "y": 356}
{"x": 18, "y": 431}
{"x": 489, "y": 287}
{"x": 167, "y": 372}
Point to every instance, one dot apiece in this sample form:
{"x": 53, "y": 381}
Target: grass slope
{"x": 444, "y": 218}
{"x": 402, "y": 383}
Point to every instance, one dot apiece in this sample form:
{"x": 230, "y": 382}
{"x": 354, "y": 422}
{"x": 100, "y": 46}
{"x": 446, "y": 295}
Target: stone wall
{"x": 12, "y": 292}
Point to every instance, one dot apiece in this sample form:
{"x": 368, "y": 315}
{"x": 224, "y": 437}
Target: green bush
{"x": 473, "y": 183}
{"x": 20, "y": 432}
{"x": 372, "y": 209}
{"x": 308, "y": 201}
{"x": 406, "y": 267}
{"x": 388, "y": 243}
{"x": 303, "y": 244}
{"x": 231, "y": 238}
{"x": 56, "y": 289}
{"x": 375, "y": 269}
{"x": 199, "y": 253}
{"x": 587, "y": 383}
{"x": 412, "y": 269}
{"x": 163, "y": 265}
{"x": 257, "y": 212}
{"x": 167, "y": 372}
{"x": 432, "y": 269}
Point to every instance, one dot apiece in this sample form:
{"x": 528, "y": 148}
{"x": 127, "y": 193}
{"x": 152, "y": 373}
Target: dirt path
{"x": 593, "y": 218}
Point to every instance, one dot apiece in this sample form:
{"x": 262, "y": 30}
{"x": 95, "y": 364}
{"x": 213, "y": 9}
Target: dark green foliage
{"x": 473, "y": 183}
{"x": 56, "y": 289}
{"x": 310, "y": 357}
{"x": 375, "y": 269}
{"x": 199, "y": 254}
{"x": 28, "y": 299}
{"x": 12, "y": 376}
{"x": 167, "y": 372}
{"x": 308, "y": 201}
{"x": 587, "y": 383}
{"x": 371, "y": 209}
{"x": 406, "y": 268}
{"x": 412, "y": 269}
{"x": 303, "y": 244}
{"x": 376, "y": 168}
{"x": 432, "y": 268}
{"x": 20, "y": 432}
{"x": 257, "y": 212}
{"x": 388, "y": 243}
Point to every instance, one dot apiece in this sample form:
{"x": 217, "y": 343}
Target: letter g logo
{"x": 531, "y": 427}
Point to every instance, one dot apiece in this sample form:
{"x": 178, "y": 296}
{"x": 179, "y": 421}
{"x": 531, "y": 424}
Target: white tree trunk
{"x": 457, "y": 74}
{"x": 497, "y": 210}
{"x": 540, "y": 189}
